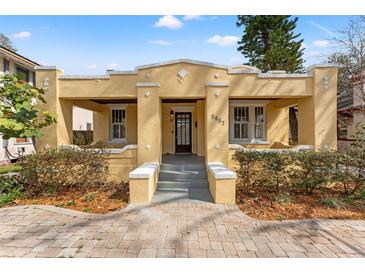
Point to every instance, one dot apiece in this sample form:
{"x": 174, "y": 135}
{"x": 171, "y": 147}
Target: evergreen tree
{"x": 6, "y": 42}
{"x": 269, "y": 42}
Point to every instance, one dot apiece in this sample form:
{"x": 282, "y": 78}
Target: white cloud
{"x": 321, "y": 43}
{"x": 91, "y": 66}
{"x": 313, "y": 53}
{"x": 193, "y": 17}
{"x": 169, "y": 21}
{"x": 161, "y": 42}
{"x": 322, "y": 28}
{"x": 22, "y": 34}
{"x": 113, "y": 66}
{"x": 223, "y": 40}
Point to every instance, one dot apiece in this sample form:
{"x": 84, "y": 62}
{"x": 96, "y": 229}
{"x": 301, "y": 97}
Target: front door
{"x": 183, "y": 132}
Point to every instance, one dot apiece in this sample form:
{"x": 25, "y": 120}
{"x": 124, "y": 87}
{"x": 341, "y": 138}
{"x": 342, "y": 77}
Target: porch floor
{"x": 182, "y": 178}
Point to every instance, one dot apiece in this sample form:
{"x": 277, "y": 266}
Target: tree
{"x": 6, "y": 42}
{"x": 352, "y": 42}
{"x": 269, "y": 42}
{"x": 20, "y": 117}
{"x": 345, "y": 71}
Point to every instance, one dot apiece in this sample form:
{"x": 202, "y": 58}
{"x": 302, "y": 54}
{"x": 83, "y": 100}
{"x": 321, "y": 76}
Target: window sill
{"x": 252, "y": 142}
{"x": 120, "y": 141}
{"x": 23, "y": 144}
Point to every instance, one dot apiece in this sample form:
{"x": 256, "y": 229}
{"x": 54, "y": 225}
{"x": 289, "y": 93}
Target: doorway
{"x": 183, "y": 132}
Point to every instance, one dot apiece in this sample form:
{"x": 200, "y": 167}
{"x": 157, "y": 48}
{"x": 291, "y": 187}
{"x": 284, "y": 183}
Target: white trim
{"x": 217, "y": 84}
{"x": 117, "y": 140}
{"x": 46, "y": 68}
{"x": 251, "y": 124}
{"x": 189, "y": 61}
{"x": 122, "y": 72}
{"x": 296, "y": 148}
{"x": 144, "y": 171}
{"x": 220, "y": 171}
{"x": 147, "y": 84}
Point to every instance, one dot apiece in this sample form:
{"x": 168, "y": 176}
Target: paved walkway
{"x": 172, "y": 230}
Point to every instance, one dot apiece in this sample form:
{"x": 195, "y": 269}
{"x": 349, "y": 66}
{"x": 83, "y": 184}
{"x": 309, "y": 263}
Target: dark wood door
{"x": 183, "y": 132}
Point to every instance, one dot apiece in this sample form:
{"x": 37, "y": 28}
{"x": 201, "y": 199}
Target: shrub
{"x": 332, "y": 202}
{"x": 10, "y": 189}
{"x": 249, "y": 168}
{"x": 54, "y": 170}
{"x": 311, "y": 170}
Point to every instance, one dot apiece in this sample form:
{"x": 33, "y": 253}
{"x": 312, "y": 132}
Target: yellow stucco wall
{"x": 148, "y": 121}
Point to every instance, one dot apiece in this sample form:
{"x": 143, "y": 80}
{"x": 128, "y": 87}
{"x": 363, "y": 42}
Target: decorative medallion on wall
{"x": 181, "y": 75}
{"x": 148, "y": 75}
{"x": 45, "y": 83}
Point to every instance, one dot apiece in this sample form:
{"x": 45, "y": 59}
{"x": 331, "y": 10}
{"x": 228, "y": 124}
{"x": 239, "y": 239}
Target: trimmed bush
{"x": 10, "y": 189}
{"x": 54, "y": 170}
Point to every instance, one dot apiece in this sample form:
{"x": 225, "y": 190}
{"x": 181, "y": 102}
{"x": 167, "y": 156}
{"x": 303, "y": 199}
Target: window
{"x": 23, "y": 74}
{"x": 117, "y": 117}
{"x": 241, "y": 122}
{"x": 247, "y": 123}
{"x": 6, "y": 65}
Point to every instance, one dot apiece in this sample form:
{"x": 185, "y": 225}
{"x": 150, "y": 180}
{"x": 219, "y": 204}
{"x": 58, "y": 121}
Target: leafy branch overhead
{"x": 269, "y": 42}
{"x": 19, "y": 114}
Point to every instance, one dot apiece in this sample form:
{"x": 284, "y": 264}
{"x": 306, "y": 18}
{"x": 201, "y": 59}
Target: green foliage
{"x": 82, "y": 138}
{"x": 89, "y": 198}
{"x": 311, "y": 169}
{"x": 282, "y": 198}
{"x": 54, "y": 170}
{"x": 269, "y": 42}
{"x": 6, "y": 42}
{"x": 332, "y": 202}
{"x": 71, "y": 203}
{"x": 9, "y": 168}
{"x": 19, "y": 115}
{"x": 10, "y": 189}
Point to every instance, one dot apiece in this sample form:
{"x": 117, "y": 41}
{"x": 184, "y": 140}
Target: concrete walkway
{"x": 197, "y": 229}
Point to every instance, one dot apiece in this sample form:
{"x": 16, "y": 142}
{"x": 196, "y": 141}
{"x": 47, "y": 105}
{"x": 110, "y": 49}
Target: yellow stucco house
{"x": 186, "y": 106}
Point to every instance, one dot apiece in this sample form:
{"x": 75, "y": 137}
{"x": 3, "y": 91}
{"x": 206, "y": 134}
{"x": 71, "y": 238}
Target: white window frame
{"x": 251, "y": 104}
{"x": 117, "y": 107}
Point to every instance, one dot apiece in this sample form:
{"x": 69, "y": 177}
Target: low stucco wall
{"x": 120, "y": 164}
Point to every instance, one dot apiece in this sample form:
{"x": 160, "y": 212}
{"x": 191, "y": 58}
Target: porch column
{"x": 216, "y": 123}
{"x": 60, "y": 132}
{"x": 149, "y": 123}
{"x": 317, "y": 115}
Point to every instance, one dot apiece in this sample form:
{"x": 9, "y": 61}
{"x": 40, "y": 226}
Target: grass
{"x": 10, "y": 168}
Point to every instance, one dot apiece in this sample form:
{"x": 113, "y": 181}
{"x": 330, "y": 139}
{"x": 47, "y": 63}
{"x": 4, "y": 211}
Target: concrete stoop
{"x": 182, "y": 181}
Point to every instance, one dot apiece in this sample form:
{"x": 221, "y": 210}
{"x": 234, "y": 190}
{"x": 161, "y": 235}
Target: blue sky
{"x": 92, "y": 44}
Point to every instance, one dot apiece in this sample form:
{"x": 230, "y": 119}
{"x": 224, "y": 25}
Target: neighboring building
{"x": 15, "y": 63}
{"x": 82, "y": 119}
{"x": 350, "y": 113}
{"x": 187, "y": 106}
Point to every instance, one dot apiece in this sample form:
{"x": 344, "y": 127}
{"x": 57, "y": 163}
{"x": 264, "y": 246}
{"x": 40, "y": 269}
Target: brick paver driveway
{"x": 172, "y": 230}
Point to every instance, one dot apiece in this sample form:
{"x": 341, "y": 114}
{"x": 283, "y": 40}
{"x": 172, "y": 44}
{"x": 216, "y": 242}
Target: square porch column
{"x": 217, "y": 123}
{"x": 61, "y": 131}
{"x": 149, "y": 123}
{"x": 317, "y": 115}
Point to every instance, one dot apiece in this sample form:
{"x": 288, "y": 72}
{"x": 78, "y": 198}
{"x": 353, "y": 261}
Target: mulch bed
{"x": 95, "y": 200}
{"x": 263, "y": 206}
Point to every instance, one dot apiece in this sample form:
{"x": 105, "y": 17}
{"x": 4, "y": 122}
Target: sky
{"x": 89, "y": 45}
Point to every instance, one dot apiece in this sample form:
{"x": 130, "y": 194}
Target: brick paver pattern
{"x": 172, "y": 230}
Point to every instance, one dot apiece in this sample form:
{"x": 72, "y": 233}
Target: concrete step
{"x": 182, "y": 167}
{"x": 201, "y": 183}
{"x": 170, "y": 175}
